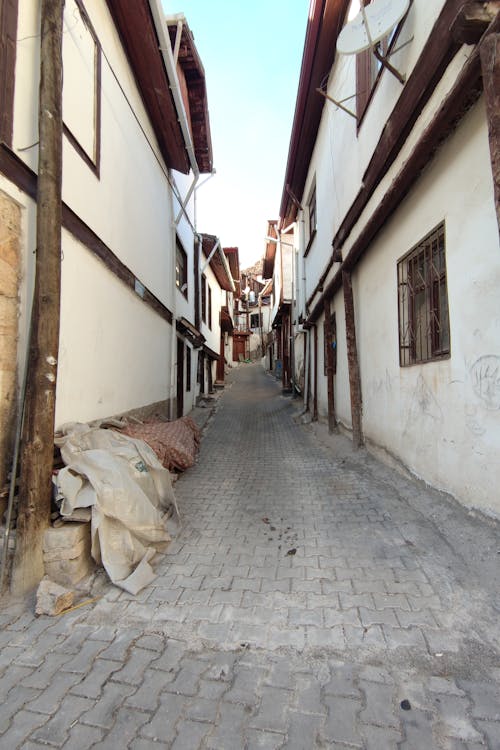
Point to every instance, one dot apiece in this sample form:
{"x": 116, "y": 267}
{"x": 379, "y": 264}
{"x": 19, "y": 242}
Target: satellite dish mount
{"x": 372, "y": 24}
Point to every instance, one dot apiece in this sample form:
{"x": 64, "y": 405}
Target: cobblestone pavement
{"x": 312, "y": 599}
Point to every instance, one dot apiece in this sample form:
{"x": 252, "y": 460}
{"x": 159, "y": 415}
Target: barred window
{"x": 424, "y": 330}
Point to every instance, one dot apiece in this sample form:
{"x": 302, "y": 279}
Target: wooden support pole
{"x": 37, "y": 451}
{"x": 332, "y": 421}
{"x": 490, "y": 67}
{"x": 352, "y": 361}
{"x": 315, "y": 392}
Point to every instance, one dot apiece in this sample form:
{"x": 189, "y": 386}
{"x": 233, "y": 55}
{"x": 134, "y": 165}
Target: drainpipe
{"x": 160, "y": 22}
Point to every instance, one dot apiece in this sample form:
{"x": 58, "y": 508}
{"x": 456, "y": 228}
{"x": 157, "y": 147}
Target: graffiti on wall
{"x": 485, "y": 377}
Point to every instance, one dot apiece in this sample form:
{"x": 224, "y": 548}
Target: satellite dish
{"x": 371, "y": 25}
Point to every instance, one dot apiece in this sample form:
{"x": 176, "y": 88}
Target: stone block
{"x": 62, "y": 540}
{"x": 52, "y": 599}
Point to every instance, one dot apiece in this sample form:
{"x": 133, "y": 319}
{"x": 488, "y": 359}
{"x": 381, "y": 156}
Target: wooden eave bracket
{"x": 472, "y": 20}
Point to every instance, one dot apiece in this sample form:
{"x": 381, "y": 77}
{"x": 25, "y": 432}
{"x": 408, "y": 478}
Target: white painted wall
{"x": 114, "y": 350}
{"x": 442, "y": 419}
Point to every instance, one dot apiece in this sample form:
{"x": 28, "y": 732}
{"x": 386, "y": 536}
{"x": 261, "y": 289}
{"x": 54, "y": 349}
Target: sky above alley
{"x": 252, "y": 53}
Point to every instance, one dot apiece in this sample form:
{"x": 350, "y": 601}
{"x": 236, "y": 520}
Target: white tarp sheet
{"x": 130, "y": 495}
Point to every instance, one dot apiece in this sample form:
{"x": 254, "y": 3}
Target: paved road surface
{"x": 312, "y": 599}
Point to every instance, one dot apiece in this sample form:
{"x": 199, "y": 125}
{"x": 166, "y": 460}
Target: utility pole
{"x": 37, "y": 451}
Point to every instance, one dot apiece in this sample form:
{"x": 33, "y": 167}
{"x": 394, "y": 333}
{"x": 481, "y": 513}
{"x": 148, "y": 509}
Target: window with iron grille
{"x": 424, "y": 329}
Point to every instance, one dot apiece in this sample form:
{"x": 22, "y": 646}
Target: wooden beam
{"x": 352, "y": 362}
{"x": 315, "y": 391}
{"x": 37, "y": 453}
{"x": 490, "y": 67}
{"x": 332, "y": 421}
{"x": 472, "y": 20}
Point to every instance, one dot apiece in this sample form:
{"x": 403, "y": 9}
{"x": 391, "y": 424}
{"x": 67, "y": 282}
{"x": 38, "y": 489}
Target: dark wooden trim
{"x": 8, "y": 38}
{"x": 315, "y": 391}
{"x": 332, "y": 421}
{"x": 197, "y": 256}
{"x": 25, "y": 179}
{"x": 94, "y": 161}
{"x": 462, "y": 96}
{"x": 490, "y": 67}
{"x": 472, "y": 20}
{"x": 15, "y": 170}
{"x": 310, "y": 242}
{"x": 210, "y": 352}
{"x": 352, "y": 361}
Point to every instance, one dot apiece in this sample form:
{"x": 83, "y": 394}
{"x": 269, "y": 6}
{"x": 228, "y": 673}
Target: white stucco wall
{"x": 442, "y": 419}
{"x": 127, "y": 355}
{"x": 114, "y": 352}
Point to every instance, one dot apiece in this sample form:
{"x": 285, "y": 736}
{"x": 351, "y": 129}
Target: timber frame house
{"x": 395, "y": 209}
{"x": 126, "y": 141}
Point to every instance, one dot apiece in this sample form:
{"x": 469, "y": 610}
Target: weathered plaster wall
{"x": 114, "y": 352}
{"x": 10, "y": 267}
{"x": 441, "y": 419}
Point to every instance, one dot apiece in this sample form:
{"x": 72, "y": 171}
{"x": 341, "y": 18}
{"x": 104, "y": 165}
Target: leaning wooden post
{"x": 37, "y": 451}
{"x": 352, "y": 361}
{"x": 490, "y": 68}
{"x": 332, "y": 421}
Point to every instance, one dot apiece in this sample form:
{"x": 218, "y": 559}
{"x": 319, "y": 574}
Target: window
{"x": 256, "y": 320}
{"x": 81, "y": 84}
{"x": 424, "y": 330}
{"x": 188, "y": 369}
{"x": 204, "y": 299}
{"x": 209, "y": 308}
{"x": 368, "y": 68}
{"x": 181, "y": 269}
{"x": 312, "y": 217}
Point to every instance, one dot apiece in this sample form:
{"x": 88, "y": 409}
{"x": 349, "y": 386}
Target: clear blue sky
{"x": 251, "y": 51}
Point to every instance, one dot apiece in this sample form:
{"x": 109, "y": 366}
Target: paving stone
{"x": 272, "y": 714}
{"x": 188, "y": 678}
{"x": 190, "y": 735}
{"x": 103, "y": 712}
{"x": 82, "y": 737}
{"x": 161, "y": 727}
{"x": 56, "y": 730}
{"x": 379, "y": 705}
{"x": 48, "y": 699}
{"x": 227, "y": 735}
{"x": 17, "y": 698}
{"x": 147, "y": 696}
{"x": 257, "y": 739}
{"x": 341, "y": 721}
{"x": 137, "y": 662}
{"x": 125, "y": 728}
{"x": 22, "y": 725}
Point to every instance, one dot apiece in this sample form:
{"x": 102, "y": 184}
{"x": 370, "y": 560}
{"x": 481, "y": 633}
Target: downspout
{"x": 307, "y": 352}
{"x": 160, "y": 22}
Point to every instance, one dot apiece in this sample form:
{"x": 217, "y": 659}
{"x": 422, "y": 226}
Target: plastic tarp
{"x": 175, "y": 443}
{"x": 130, "y": 495}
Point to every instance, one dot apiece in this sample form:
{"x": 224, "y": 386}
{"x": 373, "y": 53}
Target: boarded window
{"x": 424, "y": 329}
{"x": 81, "y": 83}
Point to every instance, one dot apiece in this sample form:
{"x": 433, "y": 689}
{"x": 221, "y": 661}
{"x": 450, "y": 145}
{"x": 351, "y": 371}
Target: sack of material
{"x": 175, "y": 443}
{"x": 129, "y": 492}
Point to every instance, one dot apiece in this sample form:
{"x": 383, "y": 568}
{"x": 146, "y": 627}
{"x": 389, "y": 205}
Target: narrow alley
{"x": 312, "y": 598}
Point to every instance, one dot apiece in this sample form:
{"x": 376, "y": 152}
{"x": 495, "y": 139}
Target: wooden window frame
{"x": 312, "y": 215}
{"x": 210, "y": 307}
{"x": 181, "y": 269}
{"x": 204, "y": 298}
{"x": 419, "y": 275}
{"x": 94, "y": 163}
